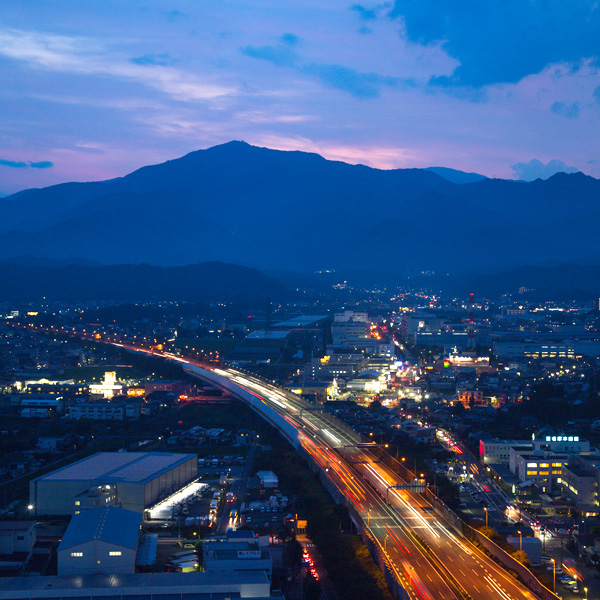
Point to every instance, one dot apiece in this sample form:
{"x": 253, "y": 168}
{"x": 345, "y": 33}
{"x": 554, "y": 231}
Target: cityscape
{"x": 299, "y": 301}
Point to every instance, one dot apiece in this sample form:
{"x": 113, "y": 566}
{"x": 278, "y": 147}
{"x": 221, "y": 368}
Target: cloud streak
{"x": 362, "y": 85}
{"x": 161, "y": 60}
{"x": 88, "y": 56}
{"x": 18, "y": 164}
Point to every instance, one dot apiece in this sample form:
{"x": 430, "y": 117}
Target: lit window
{"x": 77, "y": 503}
{"x": 117, "y": 553}
{"x": 77, "y": 554}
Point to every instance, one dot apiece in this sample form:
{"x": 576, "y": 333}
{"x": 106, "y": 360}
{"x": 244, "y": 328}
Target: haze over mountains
{"x": 206, "y": 282}
{"x": 297, "y": 211}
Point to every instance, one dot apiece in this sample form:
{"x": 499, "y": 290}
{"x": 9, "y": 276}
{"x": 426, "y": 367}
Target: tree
{"x": 312, "y": 588}
{"x": 522, "y": 557}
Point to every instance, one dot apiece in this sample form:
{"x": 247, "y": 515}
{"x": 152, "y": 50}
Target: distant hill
{"x": 296, "y": 211}
{"x": 36, "y": 261}
{"x": 456, "y": 176}
{"x": 210, "y": 281}
{"x": 559, "y": 282}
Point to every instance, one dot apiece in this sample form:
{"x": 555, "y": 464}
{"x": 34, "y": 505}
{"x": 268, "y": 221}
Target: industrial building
{"x": 146, "y": 586}
{"x": 130, "y": 480}
{"x": 17, "y": 539}
{"x": 224, "y": 558}
{"x": 241, "y": 551}
{"x": 100, "y": 540}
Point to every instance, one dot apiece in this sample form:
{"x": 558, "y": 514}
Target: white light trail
{"x": 331, "y": 436}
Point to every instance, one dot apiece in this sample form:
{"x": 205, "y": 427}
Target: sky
{"x": 93, "y": 90}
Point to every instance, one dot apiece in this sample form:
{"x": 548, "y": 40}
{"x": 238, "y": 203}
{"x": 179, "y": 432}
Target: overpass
{"x": 428, "y": 558}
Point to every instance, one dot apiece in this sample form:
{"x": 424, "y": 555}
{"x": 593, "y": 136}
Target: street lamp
{"x": 554, "y": 575}
{"x": 385, "y": 542}
{"x": 520, "y": 541}
{"x": 414, "y": 464}
{"x": 585, "y": 590}
{"x": 486, "y": 516}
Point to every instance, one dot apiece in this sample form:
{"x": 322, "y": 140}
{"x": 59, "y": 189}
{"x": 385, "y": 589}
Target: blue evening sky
{"x": 94, "y": 89}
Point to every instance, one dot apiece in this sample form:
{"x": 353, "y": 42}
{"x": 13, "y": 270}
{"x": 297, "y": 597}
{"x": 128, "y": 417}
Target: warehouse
{"x": 100, "y": 540}
{"x": 248, "y": 584}
{"x": 131, "y": 480}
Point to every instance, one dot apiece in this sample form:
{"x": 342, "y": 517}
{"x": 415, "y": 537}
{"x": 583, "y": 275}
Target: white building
{"x": 17, "y": 539}
{"x": 108, "y": 388}
{"x": 136, "y": 480}
{"x": 498, "y": 451}
{"x": 40, "y": 406}
{"x": 100, "y": 540}
{"x": 351, "y": 315}
{"x": 567, "y": 444}
{"x": 105, "y": 411}
{"x": 542, "y": 468}
{"x": 580, "y": 480}
{"x": 346, "y": 332}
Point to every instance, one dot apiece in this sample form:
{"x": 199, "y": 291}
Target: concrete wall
{"x": 50, "y": 497}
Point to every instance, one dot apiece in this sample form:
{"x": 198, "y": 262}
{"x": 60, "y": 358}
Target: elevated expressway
{"x": 429, "y": 559}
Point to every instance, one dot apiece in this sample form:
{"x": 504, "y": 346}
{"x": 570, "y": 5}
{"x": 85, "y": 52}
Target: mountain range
{"x": 204, "y": 282}
{"x": 297, "y": 211}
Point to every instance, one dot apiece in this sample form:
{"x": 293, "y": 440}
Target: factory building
{"x": 145, "y": 586}
{"x": 130, "y": 480}
{"x": 100, "y": 540}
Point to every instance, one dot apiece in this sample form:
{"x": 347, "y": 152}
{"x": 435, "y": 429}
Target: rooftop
{"x": 137, "y": 580}
{"x": 301, "y": 321}
{"x": 107, "y": 524}
{"x": 16, "y": 525}
{"x": 115, "y": 467}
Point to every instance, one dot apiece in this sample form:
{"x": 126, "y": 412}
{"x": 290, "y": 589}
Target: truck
{"x": 186, "y": 567}
{"x": 173, "y": 564}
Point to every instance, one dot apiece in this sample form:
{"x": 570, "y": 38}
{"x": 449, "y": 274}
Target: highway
{"x": 429, "y": 559}
{"x": 365, "y": 482}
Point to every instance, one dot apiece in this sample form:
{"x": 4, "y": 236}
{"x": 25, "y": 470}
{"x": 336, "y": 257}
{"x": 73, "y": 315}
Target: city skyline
{"x": 98, "y": 90}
